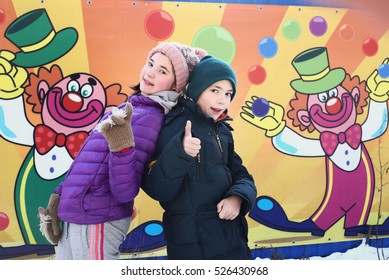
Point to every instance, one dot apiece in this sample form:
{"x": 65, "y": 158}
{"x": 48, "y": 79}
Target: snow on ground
{"x": 362, "y": 252}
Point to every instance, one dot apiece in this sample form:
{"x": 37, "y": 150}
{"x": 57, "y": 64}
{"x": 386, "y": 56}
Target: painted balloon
{"x": 370, "y": 47}
{"x": 383, "y": 71}
{"x": 256, "y": 74}
{"x": 159, "y": 25}
{"x": 346, "y": 32}
{"x": 211, "y": 38}
{"x": 4, "y": 221}
{"x": 318, "y": 26}
{"x": 268, "y": 47}
{"x": 2, "y": 16}
{"x": 291, "y": 30}
{"x": 260, "y": 107}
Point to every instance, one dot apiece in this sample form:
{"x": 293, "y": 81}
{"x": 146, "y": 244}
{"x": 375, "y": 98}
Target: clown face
{"x": 333, "y": 110}
{"x": 76, "y": 102}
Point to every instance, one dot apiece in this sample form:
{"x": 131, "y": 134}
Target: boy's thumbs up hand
{"x": 192, "y": 145}
{"x": 188, "y": 129}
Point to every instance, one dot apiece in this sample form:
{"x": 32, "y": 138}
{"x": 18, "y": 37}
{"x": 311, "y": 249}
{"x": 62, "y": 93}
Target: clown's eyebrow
{"x": 75, "y": 76}
{"x": 92, "y": 81}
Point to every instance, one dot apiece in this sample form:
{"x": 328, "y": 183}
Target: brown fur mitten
{"x": 117, "y": 129}
{"x": 49, "y": 221}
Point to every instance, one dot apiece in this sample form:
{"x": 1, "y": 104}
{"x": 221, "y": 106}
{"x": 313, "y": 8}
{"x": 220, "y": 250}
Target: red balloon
{"x": 256, "y": 74}
{"x": 370, "y": 47}
{"x": 159, "y": 25}
{"x": 2, "y": 16}
{"x": 4, "y": 221}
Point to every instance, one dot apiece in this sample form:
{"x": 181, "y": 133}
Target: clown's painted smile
{"x": 319, "y": 116}
{"x": 82, "y": 118}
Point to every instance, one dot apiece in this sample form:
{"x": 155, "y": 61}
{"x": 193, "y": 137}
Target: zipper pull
{"x": 198, "y": 166}
{"x": 219, "y": 143}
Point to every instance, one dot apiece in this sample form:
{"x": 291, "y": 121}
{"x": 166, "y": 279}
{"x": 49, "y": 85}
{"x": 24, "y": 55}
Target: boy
{"x": 197, "y": 176}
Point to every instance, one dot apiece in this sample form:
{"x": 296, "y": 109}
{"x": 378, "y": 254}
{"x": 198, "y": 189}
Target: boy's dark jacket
{"x": 189, "y": 188}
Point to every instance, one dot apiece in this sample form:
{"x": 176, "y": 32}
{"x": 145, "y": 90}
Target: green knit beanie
{"x": 207, "y": 72}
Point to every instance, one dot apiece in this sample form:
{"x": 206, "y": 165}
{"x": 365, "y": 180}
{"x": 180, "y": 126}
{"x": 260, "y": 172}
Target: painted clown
{"x": 328, "y": 101}
{"x": 69, "y": 107}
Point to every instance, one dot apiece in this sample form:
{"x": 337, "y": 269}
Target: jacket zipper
{"x": 198, "y": 165}
{"x": 219, "y": 143}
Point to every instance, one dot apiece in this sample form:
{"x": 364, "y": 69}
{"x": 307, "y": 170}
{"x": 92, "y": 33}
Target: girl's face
{"x": 157, "y": 75}
{"x": 215, "y": 99}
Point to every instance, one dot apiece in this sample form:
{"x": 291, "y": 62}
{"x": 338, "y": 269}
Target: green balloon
{"x": 291, "y": 30}
{"x": 217, "y": 41}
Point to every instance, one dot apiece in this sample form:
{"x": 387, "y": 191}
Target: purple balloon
{"x": 260, "y": 107}
{"x": 318, "y": 26}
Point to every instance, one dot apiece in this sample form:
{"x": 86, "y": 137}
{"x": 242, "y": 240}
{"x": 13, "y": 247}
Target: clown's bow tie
{"x": 352, "y": 136}
{"x": 46, "y": 138}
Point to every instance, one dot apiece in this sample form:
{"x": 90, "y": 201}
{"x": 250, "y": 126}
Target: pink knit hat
{"x": 184, "y": 58}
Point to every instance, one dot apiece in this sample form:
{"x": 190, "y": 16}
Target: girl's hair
{"x": 136, "y": 87}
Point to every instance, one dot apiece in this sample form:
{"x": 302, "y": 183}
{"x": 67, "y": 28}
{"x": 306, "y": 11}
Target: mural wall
{"x": 310, "y": 114}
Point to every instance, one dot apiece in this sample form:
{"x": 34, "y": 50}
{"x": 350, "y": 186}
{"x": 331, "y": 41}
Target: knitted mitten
{"x": 49, "y": 221}
{"x": 117, "y": 129}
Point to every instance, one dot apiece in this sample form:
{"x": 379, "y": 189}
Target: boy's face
{"x": 157, "y": 75}
{"x": 215, "y": 99}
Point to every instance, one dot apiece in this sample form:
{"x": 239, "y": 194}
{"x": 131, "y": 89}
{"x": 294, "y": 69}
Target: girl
{"x": 197, "y": 176}
{"x": 96, "y": 199}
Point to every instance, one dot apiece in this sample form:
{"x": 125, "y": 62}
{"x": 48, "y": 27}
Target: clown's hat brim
{"x": 334, "y": 78}
{"x": 61, "y": 44}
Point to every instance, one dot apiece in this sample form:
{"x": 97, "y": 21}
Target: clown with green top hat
{"x": 39, "y": 43}
{"x": 315, "y": 73}
{"x": 328, "y": 101}
{"x": 37, "y": 39}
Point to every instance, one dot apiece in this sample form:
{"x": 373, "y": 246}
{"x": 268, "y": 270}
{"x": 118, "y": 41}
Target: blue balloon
{"x": 268, "y": 47}
{"x": 260, "y": 107}
{"x": 383, "y": 71}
